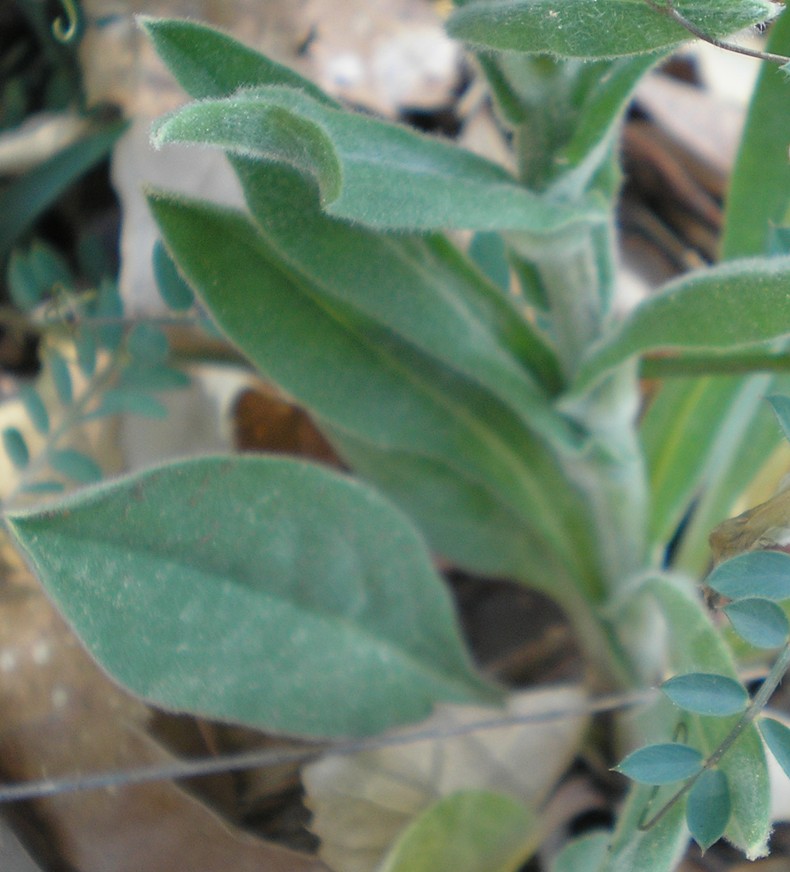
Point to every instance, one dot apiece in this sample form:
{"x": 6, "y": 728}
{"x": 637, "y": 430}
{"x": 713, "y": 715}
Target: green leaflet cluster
{"x": 96, "y": 364}
{"x": 752, "y": 585}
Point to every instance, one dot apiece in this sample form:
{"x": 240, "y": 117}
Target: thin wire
{"x": 262, "y": 759}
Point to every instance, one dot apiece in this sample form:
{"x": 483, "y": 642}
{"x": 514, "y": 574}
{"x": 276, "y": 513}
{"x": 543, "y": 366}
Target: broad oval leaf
{"x": 661, "y": 764}
{"x": 584, "y": 854}
{"x": 721, "y": 308}
{"x": 708, "y": 808}
{"x": 777, "y": 737}
{"x": 596, "y": 28}
{"x": 257, "y": 590}
{"x": 706, "y": 693}
{"x": 760, "y": 622}
{"x": 374, "y": 172}
{"x": 469, "y": 831}
{"x": 762, "y": 574}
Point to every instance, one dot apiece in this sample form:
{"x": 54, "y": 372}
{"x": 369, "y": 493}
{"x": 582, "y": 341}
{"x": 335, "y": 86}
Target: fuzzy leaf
{"x": 119, "y": 401}
{"x": 283, "y": 596}
{"x": 661, "y": 764}
{"x": 369, "y": 171}
{"x": 595, "y": 28}
{"x": 706, "y": 693}
{"x": 583, "y": 854}
{"x": 208, "y": 63}
{"x": 760, "y": 622}
{"x": 708, "y": 808}
{"x": 762, "y": 574}
{"x": 748, "y": 297}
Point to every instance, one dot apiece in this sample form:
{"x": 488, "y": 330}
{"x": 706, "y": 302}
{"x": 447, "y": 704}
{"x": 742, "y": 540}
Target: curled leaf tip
{"x": 65, "y": 28}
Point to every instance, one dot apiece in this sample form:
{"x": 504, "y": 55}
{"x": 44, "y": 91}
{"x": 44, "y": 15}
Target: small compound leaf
{"x": 75, "y": 465}
{"x": 137, "y": 377}
{"x": 777, "y": 737}
{"x": 662, "y": 763}
{"x": 44, "y": 487}
{"x": 61, "y": 376}
{"x": 706, "y": 693}
{"x": 85, "y": 346}
{"x": 25, "y": 291}
{"x": 762, "y": 574}
{"x": 109, "y": 309}
{"x": 35, "y": 408}
{"x": 16, "y": 447}
{"x": 469, "y": 831}
{"x": 127, "y": 402}
{"x": 173, "y": 288}
{"x": 781, "y": 406}
{"x": 258, "y": 590}
{"x": 147, "y": 344}
{"x": 760, "y": 622}
{"x": 708, "y": 808}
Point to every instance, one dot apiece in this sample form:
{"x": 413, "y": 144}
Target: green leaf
{"x": 16, "y": 447}
{"x": 148, "y": 344}
{"x": 75, "y": 465}
{"x": 720, "y": 308}
{"x": 595, "y": 28}
{"x": 24, "y": 199}
{"x": 283, "y": 596}
{"x": 44, "y": 487}
{"x": 109, "y": 307}
{"x": 420, "y": 288}
{"x": 23, "y": 288}
{"x": 49, "y": 268}
{"x": 35, "y": 408}
{"x": 468, "y": 831}
{"x": 760, "y": 622}
{"x": 173, "y": 289}
{"x": 694, "y": 645}
{"x": 708, "y": 808}
{"x": 136, "y": 378}
{"x": 706, "y": 693}
{"x": 662, "y": 763}
{"x": 777, "y": 737}
{"x": 357, "y": 376}
{"x": 758, "y": 194}
{"x": 763, "y": 574}
{"x": 781, "y": 407}
{"x": 85, "y": 346}
{"x": 120, "y": 401}
{"x": 208, "y": 63}
{"x": 487, "y": 250}
{"x": 379, "y": 174}
{"x": 584, "y": 854}
{"x": 59, "y": 369}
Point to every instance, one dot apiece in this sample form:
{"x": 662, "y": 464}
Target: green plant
{"x": 279, "y": 594}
